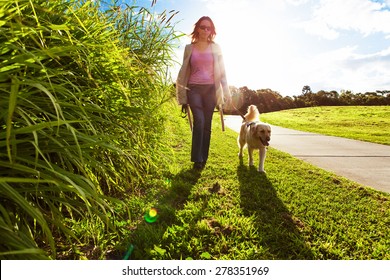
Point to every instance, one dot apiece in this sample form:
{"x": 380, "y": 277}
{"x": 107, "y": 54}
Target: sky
{"x": 284, "y": 45}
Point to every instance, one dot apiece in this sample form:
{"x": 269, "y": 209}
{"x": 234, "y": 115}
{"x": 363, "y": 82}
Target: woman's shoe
{"x": 199, "y": 165}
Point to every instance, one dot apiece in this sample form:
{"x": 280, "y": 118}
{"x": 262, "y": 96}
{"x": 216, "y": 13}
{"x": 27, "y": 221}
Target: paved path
{"x": 362, "y": 162}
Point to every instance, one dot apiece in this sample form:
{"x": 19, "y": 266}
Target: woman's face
{"x": 204, "y": 29}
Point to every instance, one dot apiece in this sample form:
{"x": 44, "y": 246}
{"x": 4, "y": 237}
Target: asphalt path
{"x": 362, "y": 162}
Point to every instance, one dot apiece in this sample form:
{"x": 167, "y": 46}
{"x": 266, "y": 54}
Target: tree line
{"x": 268, "y": 100}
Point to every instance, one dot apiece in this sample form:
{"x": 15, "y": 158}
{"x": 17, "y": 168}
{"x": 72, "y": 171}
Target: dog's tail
{"x": 252, "y": 114}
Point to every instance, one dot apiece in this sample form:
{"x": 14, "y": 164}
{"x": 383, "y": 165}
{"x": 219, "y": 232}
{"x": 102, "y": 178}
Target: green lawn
{"x": 366, "y": 123}
{"x": 230, "y": 211}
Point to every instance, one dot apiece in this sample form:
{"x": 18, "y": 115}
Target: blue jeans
{"x": 202, "y": 101}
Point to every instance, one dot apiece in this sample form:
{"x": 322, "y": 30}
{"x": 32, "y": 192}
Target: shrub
{"x": 79, "y": 86}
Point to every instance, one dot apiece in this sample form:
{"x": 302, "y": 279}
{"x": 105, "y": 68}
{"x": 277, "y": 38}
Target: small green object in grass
{"x": 128, "y": 252}
{"x": 151, "y": 216}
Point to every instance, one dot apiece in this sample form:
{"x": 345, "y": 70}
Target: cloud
{"x": 297, "y": 2}
{"x": 362, "y": 60}
{"x": 225, "y": 5}
{"x": 330, "y": 17}
{"x": 387, "y": 3}
{"x": 347, "y": 69}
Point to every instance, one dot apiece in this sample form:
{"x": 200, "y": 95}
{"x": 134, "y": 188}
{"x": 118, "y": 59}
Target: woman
{"x": 202, "y": 85}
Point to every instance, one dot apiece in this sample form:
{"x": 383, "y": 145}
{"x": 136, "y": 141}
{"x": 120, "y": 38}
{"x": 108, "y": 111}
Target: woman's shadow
{"x": 146, "y": 237}
{"x": 278, "y": 230}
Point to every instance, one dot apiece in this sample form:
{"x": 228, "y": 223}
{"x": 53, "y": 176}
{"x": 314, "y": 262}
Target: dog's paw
{"x": 240, "y": 155}
{"x": 262, "y": 171}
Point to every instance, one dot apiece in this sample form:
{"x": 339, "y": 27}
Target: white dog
{"x": 255, "y": 135}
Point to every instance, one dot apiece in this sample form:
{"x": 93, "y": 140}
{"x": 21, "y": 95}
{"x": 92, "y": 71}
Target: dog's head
{"x": 262, "y": 131}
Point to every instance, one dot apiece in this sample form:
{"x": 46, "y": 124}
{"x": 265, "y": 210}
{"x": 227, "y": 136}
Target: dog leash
{"x": 237, "y": 111}
{"x": 185, "y": 111}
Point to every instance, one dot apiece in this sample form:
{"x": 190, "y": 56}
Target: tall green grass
{"x": 78, "y": 87}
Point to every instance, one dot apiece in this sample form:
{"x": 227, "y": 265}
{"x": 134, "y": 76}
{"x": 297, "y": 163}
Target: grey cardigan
{"x": 221, "y": 85}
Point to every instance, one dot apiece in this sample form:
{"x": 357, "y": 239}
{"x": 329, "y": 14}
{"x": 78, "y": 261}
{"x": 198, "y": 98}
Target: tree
{"x": 306, "y": 90}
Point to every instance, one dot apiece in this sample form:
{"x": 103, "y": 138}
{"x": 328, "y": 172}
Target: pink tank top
{"x": 202, "y": 67}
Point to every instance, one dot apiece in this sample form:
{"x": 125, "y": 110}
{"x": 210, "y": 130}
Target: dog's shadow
{"x": 278, "y": 230}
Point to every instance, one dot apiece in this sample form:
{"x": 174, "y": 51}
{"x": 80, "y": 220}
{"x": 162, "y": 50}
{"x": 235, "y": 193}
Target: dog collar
{"x": 249, "y": 124}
